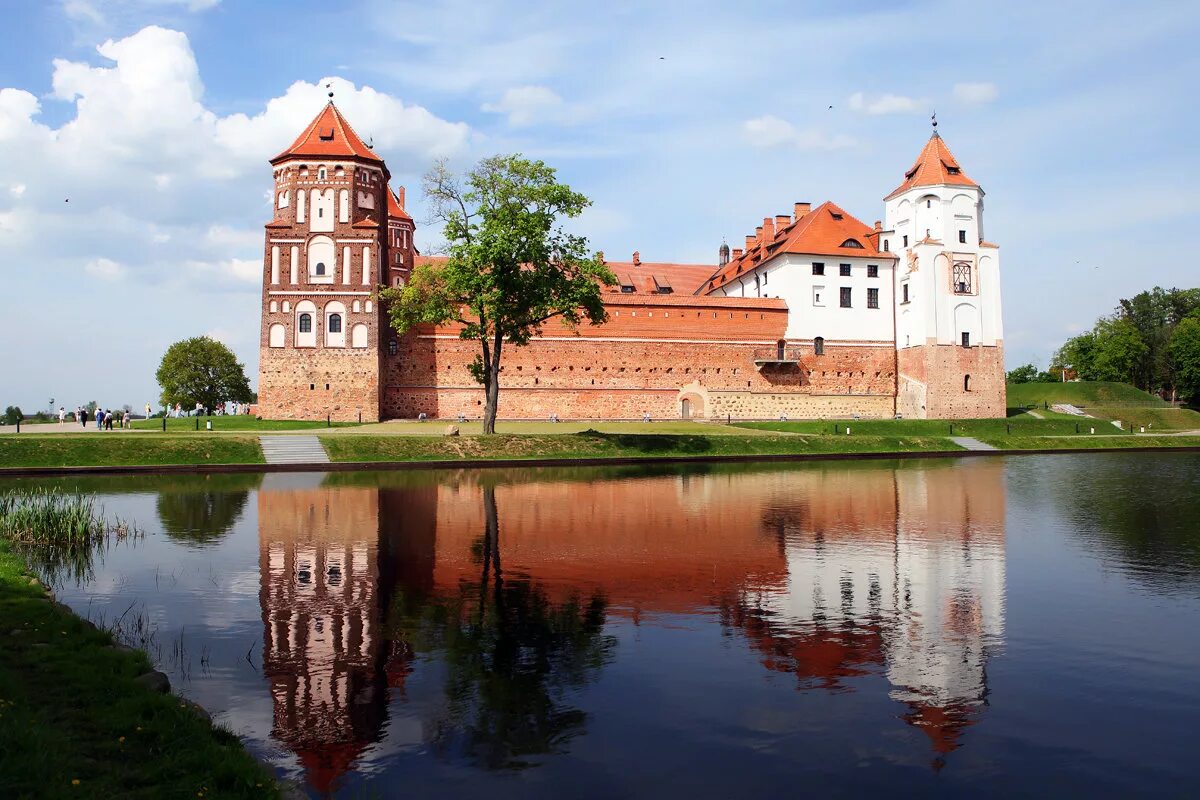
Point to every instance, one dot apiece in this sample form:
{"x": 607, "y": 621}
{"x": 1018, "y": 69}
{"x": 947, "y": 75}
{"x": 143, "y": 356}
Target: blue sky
{"x": 134, "y": 136}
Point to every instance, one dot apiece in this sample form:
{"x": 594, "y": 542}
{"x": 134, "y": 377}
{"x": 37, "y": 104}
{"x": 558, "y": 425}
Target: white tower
{"x": 949, "y": 334}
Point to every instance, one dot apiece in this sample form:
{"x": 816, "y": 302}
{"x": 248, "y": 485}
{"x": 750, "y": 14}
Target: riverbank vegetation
{"x": 116, "y": 449}
{"x": 74, "y": 719}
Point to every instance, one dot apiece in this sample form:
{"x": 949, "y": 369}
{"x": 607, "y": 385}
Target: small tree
{"x": 1025, "y": 373}
{"x": 1185, "y": 355}
{"x": 13, "y": 415}
{"x": 510, "y": 267}
{"x": 201, "y": 370}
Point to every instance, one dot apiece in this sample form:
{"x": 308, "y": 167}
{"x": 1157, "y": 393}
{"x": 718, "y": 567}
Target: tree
{"x": 13, "y": 415}
{"x": 1119, "y": 351}
{"x": 201, "y": 370}
{"x": 510, "y": 267}
{"x": 1077, "y": 353}
{"x": 1185, "y": 355}
{"x": 1026, "y": 373}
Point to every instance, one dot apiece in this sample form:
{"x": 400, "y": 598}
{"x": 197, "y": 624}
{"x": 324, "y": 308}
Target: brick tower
{"x": 949, "y": 334}
{"x": 338, "y": 233}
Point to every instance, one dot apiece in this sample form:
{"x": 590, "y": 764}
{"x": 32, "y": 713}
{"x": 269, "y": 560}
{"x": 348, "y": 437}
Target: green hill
{"x": 1107, "y": 401}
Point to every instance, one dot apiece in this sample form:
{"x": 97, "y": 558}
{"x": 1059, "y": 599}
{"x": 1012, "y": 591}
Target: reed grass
{"x": 58, "y": 534}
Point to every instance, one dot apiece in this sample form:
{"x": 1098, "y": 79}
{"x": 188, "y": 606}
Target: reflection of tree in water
{"x": 510, "y": 654}
{"x": 200, "y": 517}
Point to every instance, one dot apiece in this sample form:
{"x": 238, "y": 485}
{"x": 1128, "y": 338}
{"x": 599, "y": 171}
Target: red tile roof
{"x": 644, "y": 276}
{"x": 823, "y": 231}
{"x": 329, "y": 135}
{"x": 934, "y": 167}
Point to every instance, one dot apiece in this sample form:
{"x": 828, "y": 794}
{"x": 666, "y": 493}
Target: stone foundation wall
{"x": 933, "y": 386}
{"x": 313, "y": 383}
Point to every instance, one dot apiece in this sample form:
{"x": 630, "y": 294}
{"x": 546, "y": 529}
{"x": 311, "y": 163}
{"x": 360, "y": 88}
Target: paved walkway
{"x": 293, "y": 450}
{"x": 970, "y": 444}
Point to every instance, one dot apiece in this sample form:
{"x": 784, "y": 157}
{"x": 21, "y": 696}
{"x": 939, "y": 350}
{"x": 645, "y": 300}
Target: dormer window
{"x": 326, "y": 134}
{"x": 321, "y": 174}
{"x": 953, "y": 170}
{"x": 852, "y": 243}
{"x": 835, "y": 215}
{"x": 627, "y": 286}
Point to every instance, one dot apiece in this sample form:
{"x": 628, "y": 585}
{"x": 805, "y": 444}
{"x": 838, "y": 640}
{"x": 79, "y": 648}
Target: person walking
{"x": 125, "y": 421}
{"x": 99, "y": 418}
{"x": 62, "y": 415}
{"x": 83, "y": 417}
{"x": 108, "y": 419}
{"x": 149, "y": 410}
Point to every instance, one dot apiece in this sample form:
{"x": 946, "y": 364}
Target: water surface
{"x": 986, "y": 626}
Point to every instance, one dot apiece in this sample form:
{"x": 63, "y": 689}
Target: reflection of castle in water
{"x": 829, "y": 573}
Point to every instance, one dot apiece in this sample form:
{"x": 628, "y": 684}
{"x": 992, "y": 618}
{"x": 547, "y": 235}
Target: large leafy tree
{"x": 1185, "y": 355}
{"x": 1119, "y": 352}
{"x": 201, "y": 370}
{"x": 510, "y": 266}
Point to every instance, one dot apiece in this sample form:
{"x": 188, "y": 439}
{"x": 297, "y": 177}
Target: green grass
{"x": 73, "y": 723}
{"x": 114, "y": 449}
{"x": 1164, "y": 418}
{"x": 242, "y": 422}
{"x": 1020, "y": 425}
{"x": 593, "y": 444}
{"x": 1079, "y": 393}
{"x": 1088, "y": 442}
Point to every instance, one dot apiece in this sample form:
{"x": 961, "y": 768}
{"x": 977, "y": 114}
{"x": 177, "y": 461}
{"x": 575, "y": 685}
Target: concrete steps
{"x": 968, "y": 443}
{"x": 293, "y": 450}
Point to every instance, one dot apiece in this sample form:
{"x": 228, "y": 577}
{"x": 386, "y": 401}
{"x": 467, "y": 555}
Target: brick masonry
{"x": 934, "y": 382}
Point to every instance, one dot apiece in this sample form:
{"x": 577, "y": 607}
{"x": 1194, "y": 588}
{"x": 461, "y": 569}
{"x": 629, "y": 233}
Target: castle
{"x": 819, "y": 315}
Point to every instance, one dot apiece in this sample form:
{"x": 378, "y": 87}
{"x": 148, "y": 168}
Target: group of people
{"x": 105, "y": 418}
{"x": 222, "y": 409}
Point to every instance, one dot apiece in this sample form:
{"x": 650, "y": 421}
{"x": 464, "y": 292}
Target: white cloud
{"x": 525, "y": 104}
{"x": 885, "y": 104}
{"x": 975, "y": 93}
{"x": 17, "y": 189}
{"x": 770, "y": 131}
{"x": 104, "y": 268}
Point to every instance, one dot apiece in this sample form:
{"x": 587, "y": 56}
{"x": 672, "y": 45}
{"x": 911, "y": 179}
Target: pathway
{"x": 293, "y": 450}
{"x": 970, "y": 444}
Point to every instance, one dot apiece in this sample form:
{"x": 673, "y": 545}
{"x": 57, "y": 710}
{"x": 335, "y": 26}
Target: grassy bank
{"x": 114, "y": 449}
{"x": 74, "y": 720}
{"x": 1020, "y": 425}
{"x": 1087, "y": 442}
{"x": 239, "y": 423}
{"x": 593, "y": 444}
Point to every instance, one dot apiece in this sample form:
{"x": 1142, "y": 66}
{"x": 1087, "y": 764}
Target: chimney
{"x": 758, "y": 234}
{"x": 802, "y": 209}
{"x": 750, "y": 241}
{"x": 782, "y": 221}
{"x": 768, "y": 229}
{"x": 737, "y": 252}
{"x": 878, "y": 225}
{"x": 400, "y": 196}
{"x": 637, "y": 258}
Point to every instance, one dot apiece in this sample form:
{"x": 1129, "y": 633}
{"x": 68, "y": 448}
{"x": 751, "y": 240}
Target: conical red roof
{"x": 934, "y": 167}
{"x": 329, "y": 135}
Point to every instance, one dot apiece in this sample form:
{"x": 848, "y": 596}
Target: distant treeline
{"x": 1151, "y": 341}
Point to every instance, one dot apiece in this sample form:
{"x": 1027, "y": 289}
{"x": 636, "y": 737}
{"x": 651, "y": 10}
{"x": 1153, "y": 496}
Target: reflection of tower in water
{"x": 324, "y": 656}
{"x": 899, "y": 572}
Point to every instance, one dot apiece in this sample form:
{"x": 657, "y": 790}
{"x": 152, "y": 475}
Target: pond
{"x": 989, "y": 626}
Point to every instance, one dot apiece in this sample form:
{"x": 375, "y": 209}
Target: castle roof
{"x": 935, "y": 166}
{"x": 661, "y": 279}
{"x": 329, "y": 136}
{"x": 827, "y": 230}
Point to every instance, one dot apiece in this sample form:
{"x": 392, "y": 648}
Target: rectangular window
{"x": 872, "y": 270}
{"x": 817, "y": 295}
{"x": 872, "y": 298}
{"x": 962, "y": 237}
{"x": 904, "y": 292}
{"x": 818, "y": 269}
{"x": 844, "y": 269}
{"x": 906, "y": 240}
{"x": 966, "y": 338}
{"x": 845, "y": 297}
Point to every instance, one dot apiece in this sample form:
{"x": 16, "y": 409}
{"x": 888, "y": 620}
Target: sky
{"x": 134, "y": 138}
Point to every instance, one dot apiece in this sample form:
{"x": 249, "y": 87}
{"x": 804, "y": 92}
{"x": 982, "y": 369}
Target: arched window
{"x": 962, "y": 278}
{"x": 320, "y": 270}
{"x": 358, "y": 336}
{"x": 335, "y": 316}
{"x": 321, "y": 174}
{"x": 819, "y": 346}
{"x": 306, "y": 323}
{"x": 276, "y": 335}
{"x": 886, "y": 245}
{"x": 335, "y": 323}
{"x": 966, "y": 383}
{"x": 853, "y": 244}
{"x": 780, "y": 350}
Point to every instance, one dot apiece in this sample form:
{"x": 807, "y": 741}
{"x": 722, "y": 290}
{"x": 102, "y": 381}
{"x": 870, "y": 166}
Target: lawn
{"x": 116, "y": 449}
{"x": 1079, "y": 393}
{"x": 74, "y": 724}
{"x": 541, "y": 427}
{"x": 1019, "y": 425}
{"x": 594, "y": 444}
{"x": 1016, "y": 442}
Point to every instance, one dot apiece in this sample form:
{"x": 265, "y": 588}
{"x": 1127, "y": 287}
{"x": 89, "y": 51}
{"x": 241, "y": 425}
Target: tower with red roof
{"x": 339, "y": 232}
{"x": 949, "y": 333}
